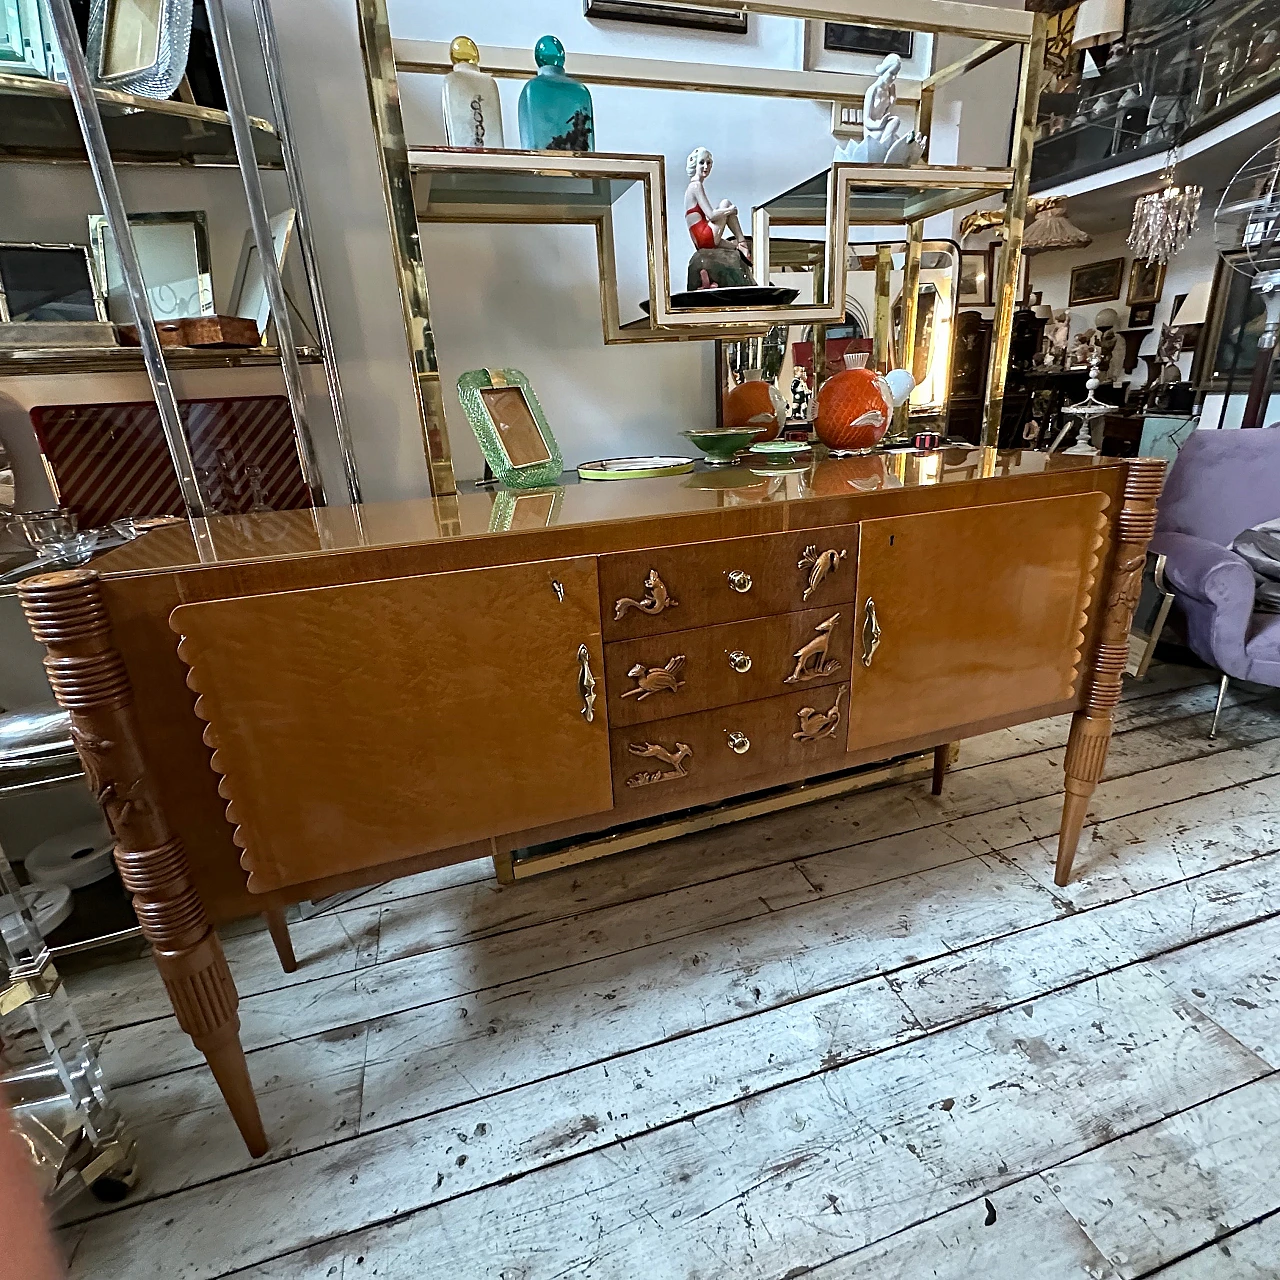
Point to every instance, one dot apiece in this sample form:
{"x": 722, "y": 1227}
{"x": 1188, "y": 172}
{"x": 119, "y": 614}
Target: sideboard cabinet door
{"x": 970, "y": 614}
{"x": 359, "y": 724}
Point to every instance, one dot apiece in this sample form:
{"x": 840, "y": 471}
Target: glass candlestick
{"x": 555, "y": 109}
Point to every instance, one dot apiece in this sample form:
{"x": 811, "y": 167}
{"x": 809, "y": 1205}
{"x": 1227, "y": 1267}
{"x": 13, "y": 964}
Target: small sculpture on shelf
{"x": 472, "y": 108}
{"x": 722, "y": 256}
{"x": 1107, "y": 339}
{"x": 1056, "y": 336}
{"x": 801, "y": 395}
{"x": 555, "y": 109}
{"x": 883, "y": 141}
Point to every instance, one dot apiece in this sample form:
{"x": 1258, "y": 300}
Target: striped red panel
{"x": 110, "y": 460}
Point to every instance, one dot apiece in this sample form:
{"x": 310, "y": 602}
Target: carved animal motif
{"x": 654, "y": 601}
{"x": 818, "y": 724}
{"x": 819, "y": 566}
{"x": 1126, "y": 582}
{"x": 94, "y": 752}
{"x": 655, "y": 750}
{"x": 651, "y": 680}
{"x": 811, "y": 660}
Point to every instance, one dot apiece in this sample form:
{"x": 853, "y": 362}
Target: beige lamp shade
{"x": 1195, "y": 306}
{"x": 1098, "y": 22}
{"x": 1052, "y": 229}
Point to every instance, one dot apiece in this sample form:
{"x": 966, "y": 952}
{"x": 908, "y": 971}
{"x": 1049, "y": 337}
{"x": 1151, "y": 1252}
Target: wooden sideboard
{"x": 272, "y": 707}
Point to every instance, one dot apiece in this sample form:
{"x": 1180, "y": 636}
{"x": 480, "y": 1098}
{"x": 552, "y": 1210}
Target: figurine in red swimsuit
{"x": 710, "y": 226}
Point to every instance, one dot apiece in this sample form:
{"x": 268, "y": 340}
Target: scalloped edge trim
{"x": 226, "y": 790}
{"x": 1088, "y": 581}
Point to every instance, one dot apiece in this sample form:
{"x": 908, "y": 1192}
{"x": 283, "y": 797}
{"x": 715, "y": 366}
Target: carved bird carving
{"x": 816, "y": 724}
{"x": 651, "y": 680}
{"x": 819, "y": 565}
{"x": 655, "y": 600}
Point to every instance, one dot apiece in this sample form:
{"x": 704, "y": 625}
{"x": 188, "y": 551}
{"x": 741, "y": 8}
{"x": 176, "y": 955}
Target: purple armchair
{"x": 1222, "y": 483}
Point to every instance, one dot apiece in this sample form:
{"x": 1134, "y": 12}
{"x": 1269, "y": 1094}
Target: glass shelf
{"x": 37, "y": 360}
{"x": 889, "y": 196}
{"x": 38, "y": 122}
{"x": 538, "y": 186}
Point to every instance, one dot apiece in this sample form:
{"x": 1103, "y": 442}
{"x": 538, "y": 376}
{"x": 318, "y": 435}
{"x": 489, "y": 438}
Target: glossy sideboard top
{"x": 780, "y": 499}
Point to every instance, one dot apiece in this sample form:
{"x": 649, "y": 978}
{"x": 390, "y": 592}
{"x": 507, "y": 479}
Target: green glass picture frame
{"x": 510, "y": 428}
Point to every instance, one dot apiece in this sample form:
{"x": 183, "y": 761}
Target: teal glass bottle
{"x": 555, "y": 109}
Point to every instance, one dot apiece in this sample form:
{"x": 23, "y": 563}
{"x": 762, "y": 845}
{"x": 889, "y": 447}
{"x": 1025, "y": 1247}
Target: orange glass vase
{"x": 756, "y": 403}
{"x": 855, "y": 406}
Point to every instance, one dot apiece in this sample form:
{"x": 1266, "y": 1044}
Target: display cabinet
{"x": 569, "y": 186}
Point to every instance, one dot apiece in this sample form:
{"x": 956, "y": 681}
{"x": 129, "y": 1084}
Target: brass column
{"x": 1015, "y": 214}
{"x": 910, "y": 316}
{"x": 402, "y": 215}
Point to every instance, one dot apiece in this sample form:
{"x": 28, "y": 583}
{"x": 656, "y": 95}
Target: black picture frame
{"x": 669, "y": 13}
{"x": 1096, "y": 282}
{"x": 46, "y": 282}
{"x": 1142, "y": 316}
{"x": 849, "y": 37}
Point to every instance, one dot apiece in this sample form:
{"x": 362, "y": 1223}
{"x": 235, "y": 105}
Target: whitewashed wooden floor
{"x": 868, "y": 1038}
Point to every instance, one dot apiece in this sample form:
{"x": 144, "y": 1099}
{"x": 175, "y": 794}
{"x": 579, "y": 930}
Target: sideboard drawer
{"x": 696, "y": 759}
{"x": 644, "y": 593}
{"x": 687, "y": 671}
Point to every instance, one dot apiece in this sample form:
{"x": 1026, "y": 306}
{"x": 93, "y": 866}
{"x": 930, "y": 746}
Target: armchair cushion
{"x": 1214, "y": 588}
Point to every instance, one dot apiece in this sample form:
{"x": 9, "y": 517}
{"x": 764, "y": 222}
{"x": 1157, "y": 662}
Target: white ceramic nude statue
{"x": 710, "y": 225}
{"x": 883, "y": 141}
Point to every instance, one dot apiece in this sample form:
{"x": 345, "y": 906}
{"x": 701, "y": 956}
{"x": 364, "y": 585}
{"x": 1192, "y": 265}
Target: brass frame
{"x": 999, "y": 29}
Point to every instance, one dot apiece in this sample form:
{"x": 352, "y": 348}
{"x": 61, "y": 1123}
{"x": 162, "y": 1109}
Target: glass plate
{"x": 634, "y": 468}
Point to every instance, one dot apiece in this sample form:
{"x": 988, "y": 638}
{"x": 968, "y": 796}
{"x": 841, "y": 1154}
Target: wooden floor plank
{"x": 1155, "y": 1195}
{"x": 1237, "y": 983}
{"x": 1018, "y": 1233}
{"x": 785, "y": 1179}
{"x": 1250, "y": 1254}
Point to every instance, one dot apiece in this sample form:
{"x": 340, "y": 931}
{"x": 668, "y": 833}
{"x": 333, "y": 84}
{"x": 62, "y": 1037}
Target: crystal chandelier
{"x": 1163, "y": 221}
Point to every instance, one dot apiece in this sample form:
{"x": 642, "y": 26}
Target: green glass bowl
{"x": 722, "y": 446}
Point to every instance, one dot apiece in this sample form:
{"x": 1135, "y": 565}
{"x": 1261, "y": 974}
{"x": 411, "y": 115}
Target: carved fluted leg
{"x": 67, "y": 615}
{"x": 279, "y": 928}
{"x": 1091, "y": 728}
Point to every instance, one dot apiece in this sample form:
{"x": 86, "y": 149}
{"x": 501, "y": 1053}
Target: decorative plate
{"x": 635, "y": 468}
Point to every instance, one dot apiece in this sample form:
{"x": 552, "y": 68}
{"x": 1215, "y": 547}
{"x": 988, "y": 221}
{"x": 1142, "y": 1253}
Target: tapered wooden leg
{"x": 1091, "y": 728}
{"x": 67, "y": 615}
{"x": 279, "y": 927}
{"x": 941, "y": 761}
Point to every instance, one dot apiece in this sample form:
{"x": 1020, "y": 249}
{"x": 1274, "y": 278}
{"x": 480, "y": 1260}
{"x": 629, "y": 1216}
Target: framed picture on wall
{"x": 1146, "y": 282}
{"x": 662, "y": 13}
{"x": 975, "y": 277}
{"x": 848, "y": 37}
{"x": 1143, "y": 316}
{"x": 1096, "y": 282}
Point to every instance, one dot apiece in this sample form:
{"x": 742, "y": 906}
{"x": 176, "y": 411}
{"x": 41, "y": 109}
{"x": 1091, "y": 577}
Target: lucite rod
{"x": 298, "y": 194}
{"x": 261, "y": 224}
{"x": 108, "y": 185}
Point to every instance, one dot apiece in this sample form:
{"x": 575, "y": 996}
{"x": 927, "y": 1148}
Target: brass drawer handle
{"x": 870, "y": 633}
{"x": 739, "y": 661}
{"x": 586, "y": 684}
{"x": 738, "y": 743}
{"x": 818, "y": 567}
{"x": 738, "y": 581}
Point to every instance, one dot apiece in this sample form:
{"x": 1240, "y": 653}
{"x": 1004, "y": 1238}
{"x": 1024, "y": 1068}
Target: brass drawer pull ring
{"x": 739, "y": 661}
{"x": 738, "y": 743}
{"x": 738, "y": 581}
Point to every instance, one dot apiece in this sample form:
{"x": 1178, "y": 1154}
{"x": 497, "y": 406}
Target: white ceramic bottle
{"x": 472, "y": 108}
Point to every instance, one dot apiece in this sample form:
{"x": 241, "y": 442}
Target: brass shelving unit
{"x": 477, "y": 186}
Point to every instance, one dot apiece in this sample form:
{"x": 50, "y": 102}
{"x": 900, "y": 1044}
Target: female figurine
{"x": 709, "y": 227}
